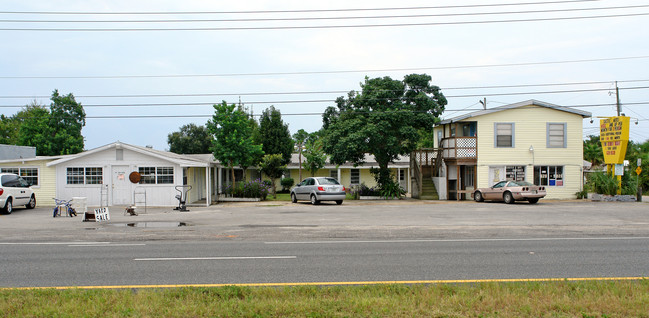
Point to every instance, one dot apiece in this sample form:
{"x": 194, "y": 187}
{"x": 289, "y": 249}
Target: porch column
{"x": 208, "y": 196}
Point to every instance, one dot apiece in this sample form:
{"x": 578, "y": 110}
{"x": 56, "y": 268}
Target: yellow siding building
{"x": 532, "y": 141}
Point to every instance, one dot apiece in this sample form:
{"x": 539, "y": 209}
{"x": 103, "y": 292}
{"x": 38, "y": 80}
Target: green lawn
{"x": 628, "y": 298}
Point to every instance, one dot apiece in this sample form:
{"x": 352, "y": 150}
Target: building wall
{"x": 45, "y": 191}
{"x": 119, "y": 192}
{"x": 530, "y": 129}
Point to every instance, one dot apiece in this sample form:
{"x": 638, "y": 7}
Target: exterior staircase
{"x": 428, "y": 191}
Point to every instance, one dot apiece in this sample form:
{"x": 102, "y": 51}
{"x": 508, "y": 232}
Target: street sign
{"x": 638, "y": 170}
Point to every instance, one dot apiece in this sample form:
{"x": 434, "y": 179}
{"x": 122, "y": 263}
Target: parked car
{"x": 318, "y": 189}
{"x": 510, "y": 191}
{"x": 15, "y": 191}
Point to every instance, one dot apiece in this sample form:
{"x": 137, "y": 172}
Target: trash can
{"x": 80, "y": 204}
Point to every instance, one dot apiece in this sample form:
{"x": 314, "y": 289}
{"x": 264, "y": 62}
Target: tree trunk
{"x": 232, "y": 169}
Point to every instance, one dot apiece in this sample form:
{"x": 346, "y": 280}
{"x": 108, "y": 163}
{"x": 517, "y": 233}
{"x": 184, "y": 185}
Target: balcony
{"x": 460, "y": 148}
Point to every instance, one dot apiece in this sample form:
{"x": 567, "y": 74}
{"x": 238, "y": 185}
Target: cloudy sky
{"x": 144, "y": 68}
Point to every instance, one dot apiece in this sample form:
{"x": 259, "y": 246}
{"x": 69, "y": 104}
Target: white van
{"x": 15, "y": 191}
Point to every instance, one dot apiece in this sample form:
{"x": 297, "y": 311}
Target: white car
{"x": 318, "y": 189}
{"x": 15, "y": 191}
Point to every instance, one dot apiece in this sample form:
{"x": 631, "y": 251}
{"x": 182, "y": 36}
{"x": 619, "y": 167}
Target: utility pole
{"x": 617, "y": 98}
{"x": 484, "y": 103}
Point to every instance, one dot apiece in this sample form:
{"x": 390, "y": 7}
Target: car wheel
{"x": 478, "y": 197}
{"x": 508, "y": 198}
{"x": 314, "y": 200}
{"x": 32, "y": 202}
{"x": 534, "y": 200}
{"x": 8, "y": 207}
{"x": 339, "y": 202}
{"x": 293, "y": 198}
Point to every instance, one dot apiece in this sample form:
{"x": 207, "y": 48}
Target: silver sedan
{"x": 318, "y": 189}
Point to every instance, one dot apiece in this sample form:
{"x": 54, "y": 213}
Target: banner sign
{"x": 614, "y": 136}
{"x": 102, "y": 214}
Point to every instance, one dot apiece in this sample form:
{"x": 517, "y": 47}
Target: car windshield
{"x": 325, "y": 181}
{"x": 520, "y": 184}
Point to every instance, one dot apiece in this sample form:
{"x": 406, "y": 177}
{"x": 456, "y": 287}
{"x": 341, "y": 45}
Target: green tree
{"x": 314, "y": 156}
{"x": 56, "y": 131}
{"x": 593, "y": 150}
{"x": 67, "y": 118}
{"x": 383, "y": 120}
{"x": 9, "y": 130}
{"x": 190, "y": 139}
{"x": 34, "y": 129}
{"x": 275, "y": 136}
{"x": 232, "y": 143}
{"x": 299, "y": 140}
{"x": 273, "y": 166}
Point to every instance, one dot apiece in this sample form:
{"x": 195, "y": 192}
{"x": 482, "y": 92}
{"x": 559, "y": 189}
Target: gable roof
{"x": 182, "y": 160}
{"x": 531, "y": 102}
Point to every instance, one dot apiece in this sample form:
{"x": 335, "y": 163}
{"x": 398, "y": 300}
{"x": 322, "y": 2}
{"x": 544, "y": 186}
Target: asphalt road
{"x": 213, "y": 262}
{"x": 358, "y": 242}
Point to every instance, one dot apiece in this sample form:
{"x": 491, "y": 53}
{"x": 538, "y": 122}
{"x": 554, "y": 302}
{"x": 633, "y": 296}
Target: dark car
{"x": 510, "y": 191}
{"x": 318, "y": 189}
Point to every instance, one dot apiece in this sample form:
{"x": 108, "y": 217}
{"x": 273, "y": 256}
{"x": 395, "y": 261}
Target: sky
{"x": 142, "y": 69}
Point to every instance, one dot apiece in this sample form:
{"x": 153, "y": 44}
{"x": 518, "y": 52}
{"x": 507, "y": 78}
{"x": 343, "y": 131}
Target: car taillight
{"x": 2, "y": 191}
{"x": 525, "y": 189}
{"x": 320, "y": 188}
{"x": 344, "y": 189}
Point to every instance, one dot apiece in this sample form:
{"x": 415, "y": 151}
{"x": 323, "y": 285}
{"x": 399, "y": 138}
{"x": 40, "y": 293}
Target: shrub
{"x": 604, "y": 183}
{"x": 286, "y": 183}
{"x": 250, "y": 189}
{"x": 364, "y": 190}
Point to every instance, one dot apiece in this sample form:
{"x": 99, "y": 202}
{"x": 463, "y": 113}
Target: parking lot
{"x": 354, "y": 220}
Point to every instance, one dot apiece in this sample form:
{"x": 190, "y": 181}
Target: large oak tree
{"x": 383, "y": 119}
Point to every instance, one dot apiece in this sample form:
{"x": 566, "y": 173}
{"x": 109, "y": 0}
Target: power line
{"x": 325, "y": 92}
{"x": 331, "y": 72}
{"x": 295, "y": 27}
{"x": 332, "y": 100}
{"x": 438, "y": 15}
{"x": 293, "y": 11}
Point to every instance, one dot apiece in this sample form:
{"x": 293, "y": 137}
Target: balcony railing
{"x": 459, "y": 148}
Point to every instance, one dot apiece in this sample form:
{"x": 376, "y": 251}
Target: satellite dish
{"x": 135, "y": 177}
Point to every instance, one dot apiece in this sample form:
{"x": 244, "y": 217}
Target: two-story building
{"x": 532, "y": 140}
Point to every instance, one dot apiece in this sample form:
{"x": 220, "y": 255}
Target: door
{"x": 121, "y": 186}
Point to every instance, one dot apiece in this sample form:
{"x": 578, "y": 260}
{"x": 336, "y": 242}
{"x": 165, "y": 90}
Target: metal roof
{"x": 531, "y": 102}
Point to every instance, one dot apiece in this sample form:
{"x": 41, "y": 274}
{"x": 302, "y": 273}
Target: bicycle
{"x": 63, "y": 203}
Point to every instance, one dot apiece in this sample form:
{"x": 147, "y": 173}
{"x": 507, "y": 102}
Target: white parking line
{"x": 105, "y": 245}
{"x": 213, "y": 258}
{"x": 51, "y": 243}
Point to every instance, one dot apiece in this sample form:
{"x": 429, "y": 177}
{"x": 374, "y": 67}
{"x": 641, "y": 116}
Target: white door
{"x": 121, "y": 186}
{"x": 496, "y": 174}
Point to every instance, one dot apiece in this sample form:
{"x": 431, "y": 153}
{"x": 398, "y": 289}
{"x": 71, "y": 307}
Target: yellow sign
{"x": 614, "y": 136}
{"x": 638, "y": 170}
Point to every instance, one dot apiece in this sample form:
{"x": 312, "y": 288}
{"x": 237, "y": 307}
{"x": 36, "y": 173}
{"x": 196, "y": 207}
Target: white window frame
{"x": 551, "y": 171}
{"x": 84, "y": 175}
{"x": 154, "y": 175}
{"x": 22, "y": 171}
{"x": 513, "y": 133}
{"x": 553, "y": 134}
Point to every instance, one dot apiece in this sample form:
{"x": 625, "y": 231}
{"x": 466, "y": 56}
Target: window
{"x": 504, "y": 135}
{"x": 156, "y": 175}
{"x": 80, "y": 175}
{"x": 355, "y": 176}
{"x": 29, "y": 174}
{"x": 402, "y": 175}
{"x": 549, "y": 176}
{"x": 556, "y": 135}
{"x": 333, "y": 173}
{"x": 515, "y": 173}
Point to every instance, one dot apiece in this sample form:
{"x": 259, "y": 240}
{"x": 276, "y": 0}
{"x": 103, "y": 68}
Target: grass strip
{"x": 521, "y": 299}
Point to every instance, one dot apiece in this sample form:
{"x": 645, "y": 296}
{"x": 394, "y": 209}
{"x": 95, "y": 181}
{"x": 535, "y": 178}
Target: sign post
{"x": 638, "y": 170}
{"x": 614, "y": 137}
